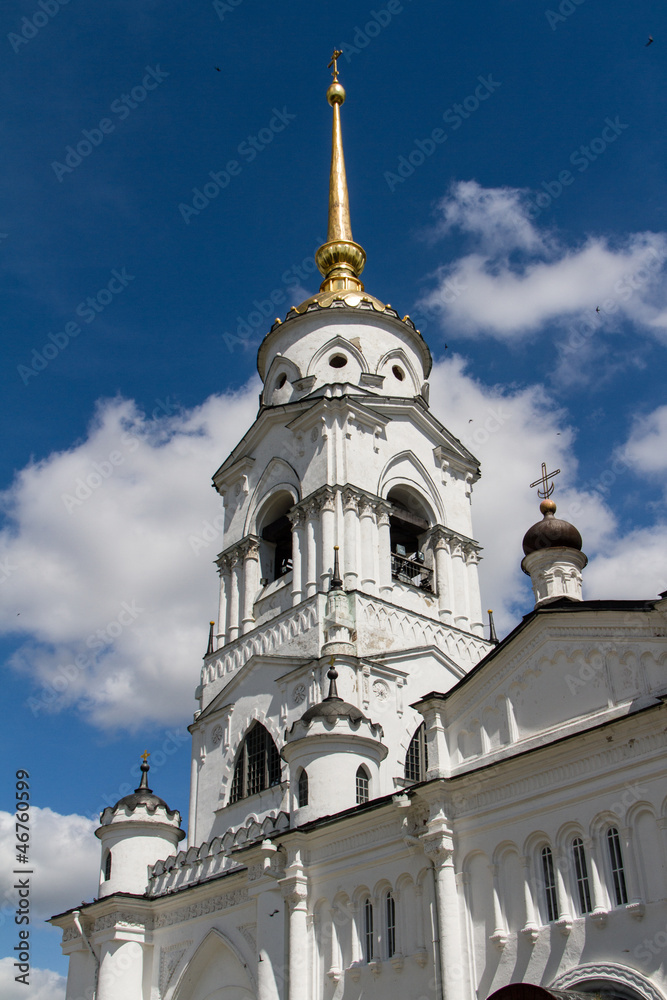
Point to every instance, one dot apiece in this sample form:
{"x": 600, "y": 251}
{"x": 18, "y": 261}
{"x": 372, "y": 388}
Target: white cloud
{"x": 108, "y": 563}
{"x": 119, "y": 569}
{"x": 65, "y": 858}
{"x": 646, "y": 447}
{"x": 518, "y": 278}
{"x": 43, "y": 984}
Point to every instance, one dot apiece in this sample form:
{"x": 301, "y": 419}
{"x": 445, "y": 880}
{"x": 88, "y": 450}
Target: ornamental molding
{"x": 215, "y": 904}
{"x": 613, "y": 974}
{"x": 356, "y": 841}
{"x": 170, "y": 958}
{"x": 123, "y": 918}
{"x": 417, "y": 630}
{"x": 261, "y": 642}
{"x": 465, "y": 802}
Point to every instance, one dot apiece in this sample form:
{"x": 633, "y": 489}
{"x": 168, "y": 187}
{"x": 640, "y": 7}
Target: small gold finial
{"x": 547, "y": 487}
{"x": 340, "y": 260}
{"x": 337, "y": 53}
{"x": 145, "y": 755}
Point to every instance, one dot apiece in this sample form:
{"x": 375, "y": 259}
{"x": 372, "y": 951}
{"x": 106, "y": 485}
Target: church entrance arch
{"x": 215, "y": 972}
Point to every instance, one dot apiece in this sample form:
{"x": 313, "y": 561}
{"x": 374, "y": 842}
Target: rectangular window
{"x": 256, "y": 760}
{"x": 616, "y": 861}
{"x": 368, "y": 930}
{"x": 550, "y": 896}
{"x": 391, "y": 925}
{"x": 581, "y": 871}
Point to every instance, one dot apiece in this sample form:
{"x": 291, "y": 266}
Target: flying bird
{"x": 597, "y": 309}
{"x": 274, "y": 913}
{"x": 218, "y": 68}
{"x": 650, "y": 41}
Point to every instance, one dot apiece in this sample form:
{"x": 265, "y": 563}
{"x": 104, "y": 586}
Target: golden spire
{"x": 340, "y": 259}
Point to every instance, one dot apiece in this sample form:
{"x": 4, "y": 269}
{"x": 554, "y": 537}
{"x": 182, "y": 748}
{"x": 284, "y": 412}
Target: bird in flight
{"x": 650, "y": 41}
{"x": 218, "y": 68}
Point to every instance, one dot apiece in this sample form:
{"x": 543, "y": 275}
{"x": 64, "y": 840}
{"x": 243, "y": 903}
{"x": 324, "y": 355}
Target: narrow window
{"x": 302, "y": 791}
{"x": 368, "y": 930}
{"x": 549, "y": 884}
{"x": 581, "y": 871}
{"x": 416, "y": 759}
{"x": 616, "y": 862}
{"x": 363, "y": 785}
{"x": 390, "y": 916}
{"x": 107, "y": 867}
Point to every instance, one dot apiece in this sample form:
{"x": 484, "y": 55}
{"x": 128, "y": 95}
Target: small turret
{"x": 332, "y": 738}
{"x": 552, "y": 552}
{"x": 135, "y": 833}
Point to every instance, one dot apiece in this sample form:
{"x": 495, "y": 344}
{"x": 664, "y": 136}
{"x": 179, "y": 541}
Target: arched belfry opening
{"x": 275, "y": 532}
{"x": 409, "y": 522}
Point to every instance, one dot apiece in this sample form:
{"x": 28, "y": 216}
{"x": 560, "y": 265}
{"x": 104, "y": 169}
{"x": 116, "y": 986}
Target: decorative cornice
{"x": 226, "y": 900}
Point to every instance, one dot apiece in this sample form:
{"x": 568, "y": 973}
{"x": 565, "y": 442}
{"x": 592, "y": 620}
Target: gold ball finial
{"x": 335, "y": 93}
{"x": 548, "y": 507}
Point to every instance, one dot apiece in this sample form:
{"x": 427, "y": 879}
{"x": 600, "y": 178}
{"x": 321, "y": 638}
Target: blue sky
{"x": 506, "y": 165}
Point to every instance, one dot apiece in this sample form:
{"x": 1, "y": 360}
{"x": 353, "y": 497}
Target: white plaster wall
{"x": 132, "y": 852}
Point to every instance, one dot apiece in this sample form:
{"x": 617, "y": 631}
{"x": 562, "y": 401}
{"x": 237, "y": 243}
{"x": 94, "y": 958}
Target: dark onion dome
{"x": 551, "y": 532}
{"x": 143, "y": 796}
{"x": 333, "y": 707}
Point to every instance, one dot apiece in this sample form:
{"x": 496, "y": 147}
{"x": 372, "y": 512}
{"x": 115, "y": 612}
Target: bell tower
{"x": 345, "y": 459}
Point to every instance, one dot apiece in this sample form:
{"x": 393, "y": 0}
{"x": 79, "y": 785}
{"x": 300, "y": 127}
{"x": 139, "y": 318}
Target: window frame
{"x": 417, "y": 752}
{"x": 258, "y": 773}
{"x": 368, "y": 932}
{"x": 390, "y": 924}
{"x": 550, "y": 891}
{"x": 582, "y": 897}
{"x": 363, "y": 785}
{"x": 108, "y": 863}
{"x": 301, "y": 788}
{"x": 616, "y": 864}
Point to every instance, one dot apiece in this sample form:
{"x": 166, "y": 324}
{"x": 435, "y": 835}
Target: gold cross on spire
{"x": 547, "y": 487}
{"x": 337, "y": 53}
{"x": 145, "y": 755}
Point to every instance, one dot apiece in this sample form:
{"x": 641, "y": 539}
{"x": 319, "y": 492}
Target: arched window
{"x": 581, "y": 873}
{"x": 302, "y": 788}
{"x": 416, "y": 759}
{"x": 550, "y": 897}
{"x": 275, "y": 532}
{"x": 257, "y": 764}
{"x": 390, "y": 921}
{"x": 408, "y": 521}
{"x": 368, "y": 941}
{"x": 616, "y": 865}
{"x": 107, "y": 867}
{"x": 363, "y": 785}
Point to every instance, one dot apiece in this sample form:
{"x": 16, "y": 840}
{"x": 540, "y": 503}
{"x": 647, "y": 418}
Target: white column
{"x": 530, "y": 929}
{"x": 250, "y": 581}
{"x": 564, "y": 916}
{"x": 297, "y": 519}
{"x": 296, "y": 893}
{"x": 194, "y": 787}
{"x": 367, "y": 526}
{"x": 234, "y": 596}
{"x": 598, "y": 901}
{"x": 442, "y": 558}
{"x": 223, "y": 569}
{"x": 327, "y": 539}
{"x": 459, "y": 571}
{"x": 499, "y": 936}
{"x": 121, "y": 970}
{"x": 474, "y": 597}
{"x": 312, "y": 517}
{"x": 351, "y": 547}
{"x": 439, "y": 849}
{"x": 384, "y": 549}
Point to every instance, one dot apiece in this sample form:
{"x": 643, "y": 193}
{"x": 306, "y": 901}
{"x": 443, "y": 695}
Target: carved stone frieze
{"x": 204, "y": 906}
{"x": 170, "y": 958}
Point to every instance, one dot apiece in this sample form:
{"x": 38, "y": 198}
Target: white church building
{"x": 385, "y": 802}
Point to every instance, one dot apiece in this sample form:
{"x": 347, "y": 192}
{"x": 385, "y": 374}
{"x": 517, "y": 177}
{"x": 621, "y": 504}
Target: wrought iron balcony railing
{"x": 411, "y": 571}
